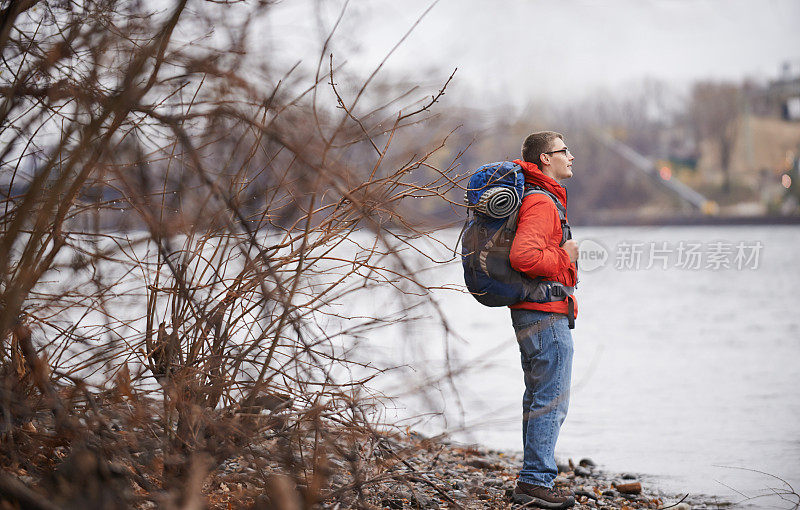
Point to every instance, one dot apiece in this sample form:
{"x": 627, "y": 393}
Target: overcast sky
{"x": 518, "y": 50}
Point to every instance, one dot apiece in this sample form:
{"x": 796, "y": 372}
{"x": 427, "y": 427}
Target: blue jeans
{"x": 545, "y": 344}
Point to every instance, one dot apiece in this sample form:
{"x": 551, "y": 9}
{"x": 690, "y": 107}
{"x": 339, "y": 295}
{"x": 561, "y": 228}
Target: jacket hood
{"x": 535, "y": 177}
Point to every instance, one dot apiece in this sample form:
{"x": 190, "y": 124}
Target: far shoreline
{"x": 689, "y": 221}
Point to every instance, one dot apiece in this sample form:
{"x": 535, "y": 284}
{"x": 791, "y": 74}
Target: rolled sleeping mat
{"x": 498, "y": 202}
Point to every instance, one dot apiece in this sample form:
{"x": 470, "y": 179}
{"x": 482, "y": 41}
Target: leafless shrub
{"x": 179, "y": 221}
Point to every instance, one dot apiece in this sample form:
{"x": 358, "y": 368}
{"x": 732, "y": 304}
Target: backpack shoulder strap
{"x": 566, "y": 231}
{"x": 562, "y": 212}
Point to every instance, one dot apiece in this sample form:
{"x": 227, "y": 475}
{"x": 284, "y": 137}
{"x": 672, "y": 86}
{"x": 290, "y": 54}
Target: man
{"x": 543, "y": 329}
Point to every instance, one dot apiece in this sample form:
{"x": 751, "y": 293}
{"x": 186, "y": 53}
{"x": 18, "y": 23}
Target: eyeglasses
{"x": 564, "y": 150}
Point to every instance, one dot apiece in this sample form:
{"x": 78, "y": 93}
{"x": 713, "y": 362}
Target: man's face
{"x": 557, "y": 162}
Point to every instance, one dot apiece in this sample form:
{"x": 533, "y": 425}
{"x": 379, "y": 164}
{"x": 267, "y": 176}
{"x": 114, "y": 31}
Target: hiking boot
{"x": 541, "y": 497}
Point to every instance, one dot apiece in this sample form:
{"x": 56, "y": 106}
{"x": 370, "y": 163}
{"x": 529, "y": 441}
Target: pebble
{"x": 630, "y": 488}
{"x": 480, "y": 464}
{"x": 587, "y": 463}
{"x": 582, "y": 471}
{"x": 494, "y": 482}
{"x": 424, "y": 501}
{"x": 230, "y": 466}
{"x": 457, "y": 484}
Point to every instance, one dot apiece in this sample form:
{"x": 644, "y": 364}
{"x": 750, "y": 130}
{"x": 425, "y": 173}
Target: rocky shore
{"x": 413, "y": 472}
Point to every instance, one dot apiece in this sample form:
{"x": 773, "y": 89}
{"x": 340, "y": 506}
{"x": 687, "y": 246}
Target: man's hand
{"x": 571, "y": 247}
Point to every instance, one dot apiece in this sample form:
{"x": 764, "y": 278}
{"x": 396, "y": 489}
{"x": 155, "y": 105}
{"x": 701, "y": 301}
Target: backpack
{"x": 487, "y": 237}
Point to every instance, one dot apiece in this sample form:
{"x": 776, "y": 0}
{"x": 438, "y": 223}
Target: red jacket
{"x": 535, "y": 250}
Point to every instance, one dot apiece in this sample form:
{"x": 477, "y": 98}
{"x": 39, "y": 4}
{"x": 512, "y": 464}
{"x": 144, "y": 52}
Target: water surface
{"x": 687, "y": 374}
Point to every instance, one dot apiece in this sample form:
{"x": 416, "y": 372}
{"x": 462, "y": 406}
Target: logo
{"x": 591, "y": 255}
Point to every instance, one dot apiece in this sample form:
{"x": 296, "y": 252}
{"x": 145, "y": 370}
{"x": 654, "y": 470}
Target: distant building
{"x": 765, "y": 148}
{"x": 766, "y": 140}
{"x": 784, "y": 92}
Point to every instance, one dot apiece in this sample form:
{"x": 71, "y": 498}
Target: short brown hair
{"x": 538, "y": 143}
